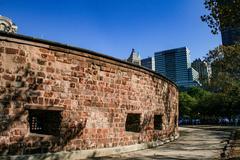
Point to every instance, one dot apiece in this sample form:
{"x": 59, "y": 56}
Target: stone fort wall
{"x": 54, "y": 97}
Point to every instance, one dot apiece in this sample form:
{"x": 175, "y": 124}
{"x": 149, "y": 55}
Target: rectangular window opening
{"x": 133, "y": 122}
{"x": 44, "y": 122}
{"x": 158, "y": 122}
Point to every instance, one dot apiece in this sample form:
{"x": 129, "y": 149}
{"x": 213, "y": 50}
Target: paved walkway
{"x": 202, "y": 142}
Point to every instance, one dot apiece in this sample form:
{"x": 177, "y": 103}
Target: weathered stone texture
{"x": 94, "y": 94}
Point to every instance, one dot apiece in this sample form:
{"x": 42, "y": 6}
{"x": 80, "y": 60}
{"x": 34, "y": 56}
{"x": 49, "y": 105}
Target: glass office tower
{"x": 148, "y": 63}
{"x": 175, "y": 64}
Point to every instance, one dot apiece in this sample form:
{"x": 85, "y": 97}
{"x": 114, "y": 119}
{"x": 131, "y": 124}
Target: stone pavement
{"x": 200, "y": 142}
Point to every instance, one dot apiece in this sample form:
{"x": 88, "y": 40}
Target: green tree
{"x": 187, "y": 104}
{"x": 225, "y": 68}
{"x": 225, "y": 80}
{"x": 198, "y": 93}
{"x": 222, "y": 14}
{"x": 202, "y": 97}
{"x": 224, "y": 60}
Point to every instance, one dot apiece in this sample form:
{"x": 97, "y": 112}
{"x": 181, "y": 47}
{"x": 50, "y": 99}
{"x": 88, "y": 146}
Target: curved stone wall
{"x": 55, "y": 98}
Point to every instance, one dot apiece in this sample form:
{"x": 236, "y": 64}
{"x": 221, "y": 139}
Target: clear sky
{"x": 114, "y": 27}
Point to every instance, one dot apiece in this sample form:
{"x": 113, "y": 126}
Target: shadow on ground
{"x": 213, "y": 128}
{"x": 195, "y": 142}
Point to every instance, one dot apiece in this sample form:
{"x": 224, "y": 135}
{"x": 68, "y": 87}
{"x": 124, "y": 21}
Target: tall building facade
{"x": 230, "y": 36}
{"x": 175, "y": 64}
{"x": 230, "y": 24}
{"x": 6, "y": 25}
{"x": 148, "y": 63}
{"x": 134, "y": 57}
{"x": 203, "y": 69}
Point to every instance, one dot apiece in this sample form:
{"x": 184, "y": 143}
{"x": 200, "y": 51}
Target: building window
{"x": 45, "y": 122}
{"x": 158, "y": 122}
{"x": 133, "y": 122}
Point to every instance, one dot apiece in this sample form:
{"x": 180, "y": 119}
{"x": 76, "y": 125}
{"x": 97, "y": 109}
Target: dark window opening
{"x": 45, "y": 122}
{"x": 133, "y": 122}
{"x": 158, "y": 122}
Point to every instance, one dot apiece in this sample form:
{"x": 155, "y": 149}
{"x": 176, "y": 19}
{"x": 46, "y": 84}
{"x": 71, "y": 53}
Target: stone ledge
{"x": 84, "y": 154}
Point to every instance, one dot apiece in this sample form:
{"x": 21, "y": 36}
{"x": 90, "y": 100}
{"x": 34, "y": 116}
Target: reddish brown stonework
{"x": 83, "y": 96}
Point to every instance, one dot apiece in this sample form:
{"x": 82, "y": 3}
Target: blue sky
{"x": 114, "y": 27}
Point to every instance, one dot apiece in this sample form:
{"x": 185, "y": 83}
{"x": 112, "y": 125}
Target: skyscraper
{"x": 134, "y": 57}
{"x": 175, "y": 64}
{"x": 203, "y": 69}
{"x": 229, "y": 21}
{"x": 230, "y": 36}
{"x": 148, "y": 63}
{"x": 7, "y": 25}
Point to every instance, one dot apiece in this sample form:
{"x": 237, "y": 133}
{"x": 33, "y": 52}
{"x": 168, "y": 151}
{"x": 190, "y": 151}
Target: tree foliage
{"x": 223, "y": 96}
{"x": 225, "y": 68}
{"x": 189, "y": 102}
{"x": 199, "y": 103}
{"x": 186, "y": 104}
{"x": 222, "y": 14}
